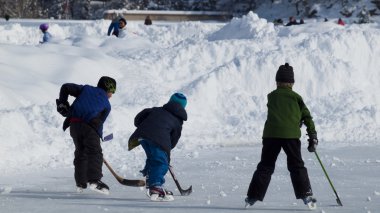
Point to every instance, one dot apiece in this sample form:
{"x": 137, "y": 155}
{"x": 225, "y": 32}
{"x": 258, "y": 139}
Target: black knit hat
{"x": 123, "y": 20}
{"x": 285, "y": 74}
{"x": 107, "y": 83}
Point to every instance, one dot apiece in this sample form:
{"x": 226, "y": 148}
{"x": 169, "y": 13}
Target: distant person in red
{"x": 341, "y": 22}
{"x": 292, "y": 21}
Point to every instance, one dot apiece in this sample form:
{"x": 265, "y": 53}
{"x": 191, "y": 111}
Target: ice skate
{"x": 310, "y": 201}
{"x": 99, "y": 186}
{"x": 249, "y": 202}
{"x": 157, "y": 193}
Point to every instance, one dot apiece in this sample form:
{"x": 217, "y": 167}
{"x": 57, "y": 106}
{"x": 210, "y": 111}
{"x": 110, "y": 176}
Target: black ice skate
{"x": 310, "y": 201}
{"x": 99, "y": 186}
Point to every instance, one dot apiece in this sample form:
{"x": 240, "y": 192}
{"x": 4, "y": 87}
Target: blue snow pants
{"x": 156, "y": 165}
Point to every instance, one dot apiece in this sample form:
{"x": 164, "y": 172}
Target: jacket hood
{"x": 176, "y": 109}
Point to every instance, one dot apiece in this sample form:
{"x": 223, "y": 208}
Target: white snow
{"x": 226, "y": 70}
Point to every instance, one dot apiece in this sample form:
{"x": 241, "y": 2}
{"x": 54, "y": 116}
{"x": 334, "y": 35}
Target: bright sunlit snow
{"x": 225, "y": 70}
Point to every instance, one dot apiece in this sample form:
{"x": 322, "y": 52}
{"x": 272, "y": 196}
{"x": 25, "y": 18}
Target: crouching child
{"x": 158, "y": 131}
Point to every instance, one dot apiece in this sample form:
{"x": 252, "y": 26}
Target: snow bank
{"x": 226, "y": 71}
{"x": 247, "y": 27}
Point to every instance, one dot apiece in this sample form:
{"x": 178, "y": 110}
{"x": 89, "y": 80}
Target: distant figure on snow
{"x": 113, "y": 29}
{"x": 282, "y": 132}
{"x": 47, "y": 36}
{"x": 292, "y": 21}
{"x": 325, "y": 20}
{"x": 7, "y": 17}
{"x": 158, "y": 131}
{"x": 122, "y": 28}
{"x": 277, "y": 22}
{"x": 302, "y": 21}
{"x": 341, "y": 22}
{"x": 85, "y": 117}
{"x": 148, "y": 21}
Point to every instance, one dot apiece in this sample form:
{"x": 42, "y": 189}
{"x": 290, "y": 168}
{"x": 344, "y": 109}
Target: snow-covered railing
{"x": 168, "y": 15}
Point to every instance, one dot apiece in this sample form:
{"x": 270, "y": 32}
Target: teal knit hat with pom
{"x": 179, "y": 98}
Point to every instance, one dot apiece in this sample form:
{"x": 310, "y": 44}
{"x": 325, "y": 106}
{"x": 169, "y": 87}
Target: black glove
{"x": 313, "y": 142}
{"x": 63, "y": 107}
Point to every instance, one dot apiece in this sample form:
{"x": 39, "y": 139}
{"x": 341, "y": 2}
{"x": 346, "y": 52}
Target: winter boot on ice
{"x": 249, "y": 202}
{"x": 310, "y": 201}
{"x": 157, "y": 193}
{"x": 81, "y": 187}
{"x": 99, "y": 186}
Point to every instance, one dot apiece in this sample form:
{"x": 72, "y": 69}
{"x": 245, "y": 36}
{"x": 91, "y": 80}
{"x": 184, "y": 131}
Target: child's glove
{"x": 63, "y": 107}
{"x": 313, "y": 142}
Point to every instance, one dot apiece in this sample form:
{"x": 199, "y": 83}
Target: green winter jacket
{"x": 286, "y": 111}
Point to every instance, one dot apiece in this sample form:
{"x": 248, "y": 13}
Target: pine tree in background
{"x": 80, "y": 9}
{"x": 91, "y": 9}
{"x": 58, "y": 9}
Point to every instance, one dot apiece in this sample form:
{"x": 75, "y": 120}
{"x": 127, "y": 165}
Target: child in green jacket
{"x": 286, "y": 113}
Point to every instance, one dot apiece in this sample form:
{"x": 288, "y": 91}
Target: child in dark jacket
{"x": 158, "y": 131}
{"x": 286, "y": 113}
{"x": 85, "y": 117}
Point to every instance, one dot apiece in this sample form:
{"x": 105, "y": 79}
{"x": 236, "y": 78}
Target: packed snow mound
{"x": 249, "y": 26}
{"x": 225, "y": 80}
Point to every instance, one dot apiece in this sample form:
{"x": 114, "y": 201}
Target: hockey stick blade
{"x": 183, "y": 192}
{"x": 187, "y": 191}
{"x": 108, "y": 137}
{"x": 125, "y": 182}
{"x": 135, "y": 183}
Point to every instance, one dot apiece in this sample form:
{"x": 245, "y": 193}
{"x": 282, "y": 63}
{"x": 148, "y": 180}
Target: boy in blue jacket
{"x": 85, "y": 117}
{"x": 158, "y": 131}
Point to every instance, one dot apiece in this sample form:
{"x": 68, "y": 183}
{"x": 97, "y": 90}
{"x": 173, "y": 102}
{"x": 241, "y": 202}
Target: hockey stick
{"x": 126, "y": 182}
{"x": 182, "y": 191}
{"x": 327, "y": 176}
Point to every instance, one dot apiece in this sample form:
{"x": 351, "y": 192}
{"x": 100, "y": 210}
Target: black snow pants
{"x": 88, "y": 156}
{"x": 298, "y": 173}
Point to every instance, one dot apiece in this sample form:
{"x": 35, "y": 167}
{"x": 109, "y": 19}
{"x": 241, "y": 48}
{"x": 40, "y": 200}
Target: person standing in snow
{"x": 47, "y": 36}
{"x": 286, "y": 113}
{"x": 158, "y": 131}
{"x": 122, "y": 28}
{"x": 341, "y": 22}
{"x": 85, "y": 117}
{"x": 113, "y": 29}
{"x": 292, "y": 21}
{"x": 148, "y": 20}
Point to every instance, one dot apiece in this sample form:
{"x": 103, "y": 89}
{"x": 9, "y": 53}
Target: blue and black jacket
{"x": 91, "y": 105}
{"x": 161, "y": 125}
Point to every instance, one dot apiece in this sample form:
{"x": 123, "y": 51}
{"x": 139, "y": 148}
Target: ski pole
{"x": 327, "y": 176}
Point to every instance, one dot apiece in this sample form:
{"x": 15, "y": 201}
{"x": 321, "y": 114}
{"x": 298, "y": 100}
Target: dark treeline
{"x": 89, "y": 9}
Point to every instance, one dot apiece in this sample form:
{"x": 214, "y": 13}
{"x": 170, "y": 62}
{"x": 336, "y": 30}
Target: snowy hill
{"x": 226, "y": 71}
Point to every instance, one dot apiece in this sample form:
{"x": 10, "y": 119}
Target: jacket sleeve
{"x": 98, "y": 121}
{"x": 141, "y": 116}
{"x": 175, "y": 135}
{"x": 110, "y": 28}
{"x": 69, "y": 89}
{"x": 306, "y": 117}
